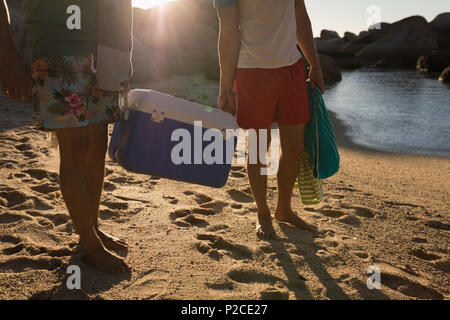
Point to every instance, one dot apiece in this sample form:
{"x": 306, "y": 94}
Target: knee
{"x": 294, "y": 149}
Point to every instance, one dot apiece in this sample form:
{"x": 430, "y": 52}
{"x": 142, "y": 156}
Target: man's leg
{"x": 258, "y": 184}
{"x": 292, "y": 144}
{"x": 74, "y": 149}
{"x": 95, "y": 172}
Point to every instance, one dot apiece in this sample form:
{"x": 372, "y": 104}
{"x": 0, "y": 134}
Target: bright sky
{"x": 351, "y": 15}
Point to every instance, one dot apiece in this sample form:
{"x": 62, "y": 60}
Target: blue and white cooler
{"x": 175, "y": 139}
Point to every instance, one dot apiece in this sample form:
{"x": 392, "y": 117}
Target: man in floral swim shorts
{"x": 66, "y": 100}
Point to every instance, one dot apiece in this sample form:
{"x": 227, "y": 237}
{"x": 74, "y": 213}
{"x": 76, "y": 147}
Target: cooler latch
{"x": 157, "y": 117}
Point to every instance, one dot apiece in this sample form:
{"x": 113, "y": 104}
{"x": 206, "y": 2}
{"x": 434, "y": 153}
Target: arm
{"x": 229, "y": 45}
{"x": 14, "y": 78}
{"x": 306, "y": 42}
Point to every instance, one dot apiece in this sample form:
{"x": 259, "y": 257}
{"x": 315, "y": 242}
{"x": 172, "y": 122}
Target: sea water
{"x": 394, "y": 110}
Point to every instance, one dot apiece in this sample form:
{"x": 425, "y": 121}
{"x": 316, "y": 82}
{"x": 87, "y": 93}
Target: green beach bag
{"x": 310, "y": 187}
{"x": 320, "y": 140}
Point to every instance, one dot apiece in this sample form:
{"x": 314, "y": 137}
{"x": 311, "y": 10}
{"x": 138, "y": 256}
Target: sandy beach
{"x": 193, "y": 242}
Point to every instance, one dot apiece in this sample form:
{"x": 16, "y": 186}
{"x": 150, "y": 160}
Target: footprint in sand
{"x": 216, "y": 227}
{"x": 170, "y": 198}
{"x": 30, "y": 155}
{"x": 221, "y": 285}
{"x": 13, "y": 198}
{"x": 150, "y": 285}
{"x": 248, "y": 276}
{"x": 8, "y": 218}
{"x": 214, "y": 242}
{"x": 331, "y": 212}
{"x": 9, "y": 239}
{"x": 23, "y": 147}
{"x": 108, "y": 186}
{"x": 108, "y": 214}
{"x": 240, "y": 196}
{"x": 364, "y": 212}
{"x": 216, "y": 206}
{"x": 362, "y": 255}
{"x": 437, "y": 225}
{"x": 422, "y": 254}
{"x": 202, "y": 198}
{"x": 11, "y": 245}
{"x": 274, "y": 294}
{"x": 442, "y": 264}
{"x": 22, "y": 264}
{"x": 115, "y": 205}
{"x": 39, "y": 174}
{"x": 196, "y": 222}
{"x": 350, "y": 220}
{"x": 45, "y": 188}
{"x": 404, "y": 283}
{"x": 57, "y": 219}
{"x": 185, "y": 218}
{"x": 13, "y": 250}
{"x": 419, "y": 240}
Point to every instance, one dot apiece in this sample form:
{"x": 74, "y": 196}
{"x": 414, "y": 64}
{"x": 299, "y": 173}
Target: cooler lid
{"x": 161, "y": 104}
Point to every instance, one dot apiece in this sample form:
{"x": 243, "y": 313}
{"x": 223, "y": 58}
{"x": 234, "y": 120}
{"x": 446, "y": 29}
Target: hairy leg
{"x": 258, "y": 184}
{"x": 292, "y": 144}
{"x": 74, "y": 146}
{"x": 95, "y": 169}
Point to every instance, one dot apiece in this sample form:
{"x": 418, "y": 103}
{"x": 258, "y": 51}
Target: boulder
{"x": 364, "y": 39}
{"x": 435, "y": 61}
{"x": 443, "y": 42}
{"x": 328, "y": 34}
{"x": 445, "y": 75}
{"x": 330, "y": 69}
{"x": 441, "y": 24}
{"x": 349, "y": 36}
{"x": 329, "y": 46}
{"x": 185, "y": 40}
{"x": 407, "y": 39}
{"x": 379, "y": 26}
{"x": 362, "y": 34}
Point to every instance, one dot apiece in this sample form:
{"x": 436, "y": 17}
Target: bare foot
{"x": 106, "y": 261}
{"x": 264, "y": 228}
{"x": 292, "y": 218}
{"x": 111, "y": 242}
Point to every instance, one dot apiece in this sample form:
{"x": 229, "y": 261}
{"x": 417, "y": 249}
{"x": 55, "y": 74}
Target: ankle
{"x": 91, "y": 245}
{"x": 283, "y": 209}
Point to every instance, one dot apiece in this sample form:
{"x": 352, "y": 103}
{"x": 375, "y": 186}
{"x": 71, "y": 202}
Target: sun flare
{"x": 146, "y": 4}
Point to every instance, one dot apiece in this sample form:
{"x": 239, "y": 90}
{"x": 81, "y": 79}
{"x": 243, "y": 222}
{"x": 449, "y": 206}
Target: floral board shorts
{"x": 66, "y": 94}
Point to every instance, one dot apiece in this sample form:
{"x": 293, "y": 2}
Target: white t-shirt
{"x": 268, "y": 32}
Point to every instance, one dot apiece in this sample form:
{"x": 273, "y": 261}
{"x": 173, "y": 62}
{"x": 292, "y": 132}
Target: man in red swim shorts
{"x": 263, "y": 81}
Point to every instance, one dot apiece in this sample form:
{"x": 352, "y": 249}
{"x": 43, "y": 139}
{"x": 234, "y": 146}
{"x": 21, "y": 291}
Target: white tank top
{"x": 268, "y": 34}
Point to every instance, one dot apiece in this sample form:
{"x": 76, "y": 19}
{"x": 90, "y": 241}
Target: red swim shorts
{"x": 265, "y": 96}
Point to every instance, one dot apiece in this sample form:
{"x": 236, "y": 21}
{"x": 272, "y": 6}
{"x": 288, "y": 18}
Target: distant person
{"x": 67, "y": 100}
{"x": 260, "y": 61}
